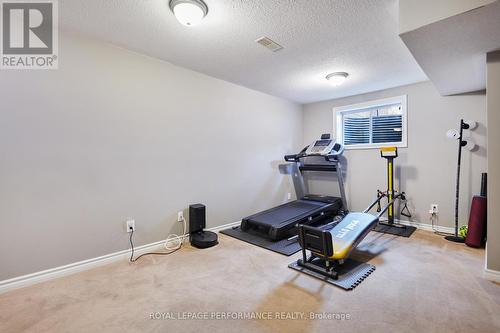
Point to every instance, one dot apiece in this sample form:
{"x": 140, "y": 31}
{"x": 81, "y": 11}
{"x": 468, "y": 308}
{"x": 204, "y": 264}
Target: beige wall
{"x": 493, "y": 87}
{"x": 414, "y": 14}
{"x": 426, "y": 170}
{"x": 112, "y": 135}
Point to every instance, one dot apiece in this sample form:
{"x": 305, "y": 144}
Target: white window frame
{"x": 338, "y": 112}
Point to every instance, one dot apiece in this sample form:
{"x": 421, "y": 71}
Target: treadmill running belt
{"x": 289, "y": 211}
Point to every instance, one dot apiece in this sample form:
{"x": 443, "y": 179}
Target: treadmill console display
{"x": 321, "y": 143}
{"x": 320, "y": 147}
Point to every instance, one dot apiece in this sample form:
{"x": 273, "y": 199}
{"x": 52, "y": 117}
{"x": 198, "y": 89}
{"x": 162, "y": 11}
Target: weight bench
{"x": 330, "y": 249}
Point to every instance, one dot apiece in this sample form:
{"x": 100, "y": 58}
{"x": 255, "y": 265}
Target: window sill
{"x": 376, "y": 146}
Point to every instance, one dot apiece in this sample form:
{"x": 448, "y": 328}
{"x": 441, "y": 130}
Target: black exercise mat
{"x": 285, "y": 246}
{"x": 400, "y": 230}
{"x": 351, "y": 273}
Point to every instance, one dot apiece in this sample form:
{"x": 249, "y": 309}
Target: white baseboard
{"x": 52, "y": 273}
{"x": 49, "y": 274}
{"x": 225, "y": 226}
{"x": 491, "y": 275}
{"x": 427, "y": 227}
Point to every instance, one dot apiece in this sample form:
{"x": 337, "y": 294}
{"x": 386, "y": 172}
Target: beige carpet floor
{"x": 421, "y": 284}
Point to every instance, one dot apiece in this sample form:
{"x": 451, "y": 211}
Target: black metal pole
{"x": 456, "y": 238}
{"x": 484, "y": 181}
{"x": 457, "y": 201}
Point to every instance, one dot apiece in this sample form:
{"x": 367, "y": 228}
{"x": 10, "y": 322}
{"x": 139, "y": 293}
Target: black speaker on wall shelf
{"x": 198, "y": 237}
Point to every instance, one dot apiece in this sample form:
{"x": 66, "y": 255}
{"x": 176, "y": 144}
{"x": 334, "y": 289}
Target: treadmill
{"x": 281, "y": 222}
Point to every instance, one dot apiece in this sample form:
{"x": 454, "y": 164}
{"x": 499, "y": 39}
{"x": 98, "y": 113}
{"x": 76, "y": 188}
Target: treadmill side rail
{"x": 281, "y": 222}
{"x": 298, "y": 181}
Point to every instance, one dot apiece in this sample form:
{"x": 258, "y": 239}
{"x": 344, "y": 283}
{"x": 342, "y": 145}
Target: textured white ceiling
{"x": 319, "y": 36}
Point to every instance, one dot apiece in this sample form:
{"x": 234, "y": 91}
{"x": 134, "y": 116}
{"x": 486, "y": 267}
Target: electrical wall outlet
{"x": 180, "y": 216}
{"x": 434, "y": 209}
{"x": 130, "y": 225}
{"x": 289, "y": 196}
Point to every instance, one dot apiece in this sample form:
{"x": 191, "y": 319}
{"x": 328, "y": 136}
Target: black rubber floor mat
{"x": 286, "y": 247}
{"x": 399, "y": 230}
{"x": 351, "y": 273}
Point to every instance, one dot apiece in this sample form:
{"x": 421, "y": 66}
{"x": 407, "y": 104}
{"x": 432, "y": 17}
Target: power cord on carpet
{"x": 178, "y": 241}
{"x": 434, "y": 225}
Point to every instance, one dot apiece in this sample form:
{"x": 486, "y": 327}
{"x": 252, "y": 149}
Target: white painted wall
{"x": 426, "y": 170}
{"x": 112, "y": 135}
{"x": 493, "y": 86}
{"x": 414, "y": 14}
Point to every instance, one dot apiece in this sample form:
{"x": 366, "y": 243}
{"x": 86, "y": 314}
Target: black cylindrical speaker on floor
{"x": 197, "y": 219}
{"x": 197, "y": 222}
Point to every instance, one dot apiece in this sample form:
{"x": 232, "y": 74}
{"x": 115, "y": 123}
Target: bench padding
{"x": 350, "y": 232}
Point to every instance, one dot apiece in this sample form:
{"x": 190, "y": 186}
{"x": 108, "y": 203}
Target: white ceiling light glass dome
{"x": 337, "y": 78}
{"x": 189, "y": 12}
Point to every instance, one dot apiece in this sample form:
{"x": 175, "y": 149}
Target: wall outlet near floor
{"x": 434, "y": 209}
{"x": 289, "y": 196}
{"x": 180, "y": 216}
{"x": 130, "y": 225}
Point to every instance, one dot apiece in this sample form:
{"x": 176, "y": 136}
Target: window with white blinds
{"x": 373, "y": 124}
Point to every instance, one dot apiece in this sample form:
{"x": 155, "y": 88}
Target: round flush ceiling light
{"x": 189, "y": 12}
{"x": 337, "y": 78}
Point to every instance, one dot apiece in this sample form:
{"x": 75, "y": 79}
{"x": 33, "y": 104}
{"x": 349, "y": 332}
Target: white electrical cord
{"x": 432, "y": 218}
{"x": 176, "y": 239}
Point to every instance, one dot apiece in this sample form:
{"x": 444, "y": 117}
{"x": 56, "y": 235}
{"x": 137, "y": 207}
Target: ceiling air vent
{"x": 269, "y": 44}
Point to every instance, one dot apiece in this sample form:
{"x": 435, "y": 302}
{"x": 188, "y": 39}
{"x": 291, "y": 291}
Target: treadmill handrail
{"x": 332, "y": 158}
{"x": 335, "y": 166}
{"x": 293, "y": 157}
{"x": 297, "y": 157}
{"x": 318, "y": 167}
